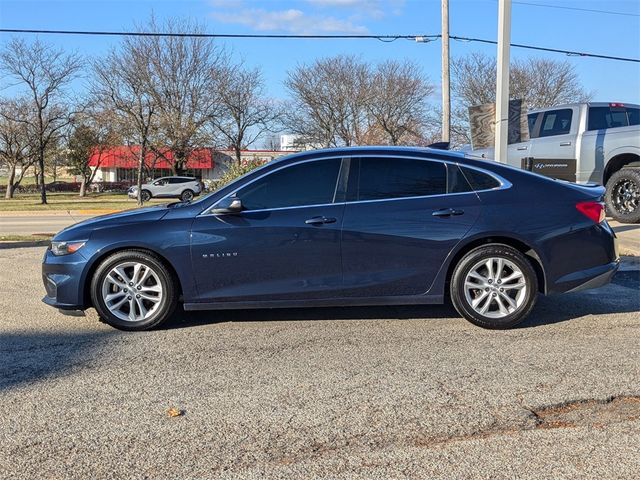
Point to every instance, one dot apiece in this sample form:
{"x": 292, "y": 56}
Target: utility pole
{"x": 446, "y": 96}
{"x": 502, "y": 81}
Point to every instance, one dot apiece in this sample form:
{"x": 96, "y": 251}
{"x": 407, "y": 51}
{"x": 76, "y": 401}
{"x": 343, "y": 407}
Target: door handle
{"x": 447, "y": 212}
{"x": 565, "y": 144}
{"x": 522, "y": 148}
{"x": 319, "y": 220}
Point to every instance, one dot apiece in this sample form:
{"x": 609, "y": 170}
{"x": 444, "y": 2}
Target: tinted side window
{"x": 479, "y": 180}
{"x": 531, "y": 119}
{"x": 310, "y": 183}
{"x": 174, "y": 180}
{"x": 381, "y": 178}
{"x": 556, "y": 122}
{"x": 634, "y": 116}
{"x": 611, "y": 117}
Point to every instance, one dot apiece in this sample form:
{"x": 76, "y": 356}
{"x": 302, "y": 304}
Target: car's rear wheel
{"x": 133, "y": 290}
{"x": 145, "y": 195}
{"x": 494, "y": 286}
{"x": 623, "y": 195}
{"x": 187, "y": 196}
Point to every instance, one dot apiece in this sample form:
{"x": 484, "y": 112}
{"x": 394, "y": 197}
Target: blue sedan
{"x": 349, "y": 226}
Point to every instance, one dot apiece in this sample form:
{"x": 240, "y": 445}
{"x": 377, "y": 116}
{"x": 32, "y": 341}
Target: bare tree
{"x": 16, "y": 148}
{"x": 181, "y": 78}
{"x": 397, "y": 101}
{"x": 45, "y": 73}
{"x": 329, "y": 97}
{"x": 245, "y": 115}
{"x": 345, "y": 101}
{"x": 538, "y": 82}
{"x": 120, "y": 85}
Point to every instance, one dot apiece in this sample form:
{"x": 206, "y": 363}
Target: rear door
{"x": 554, "y": 149}
{"x": 175, "y": 185}
{"x": 605, "y": 126}
{"x": 400, "y": 223}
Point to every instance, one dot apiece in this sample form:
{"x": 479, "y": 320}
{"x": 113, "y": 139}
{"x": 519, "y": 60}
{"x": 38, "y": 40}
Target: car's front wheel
{"x": 133, "y": 290}
{"x": 494, "y": 286}
{"x": 145, "y": 196}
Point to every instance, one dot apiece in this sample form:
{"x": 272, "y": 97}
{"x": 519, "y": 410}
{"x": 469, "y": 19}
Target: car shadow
{"x": 621, "y": 296}
{"x": 183, "y": 319}
{"x": 27, "y": 357}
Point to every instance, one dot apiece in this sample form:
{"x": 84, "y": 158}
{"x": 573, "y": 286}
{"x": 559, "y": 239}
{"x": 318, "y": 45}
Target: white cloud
{"x": 291, "y": 20}
{"x": 363, "y": 8}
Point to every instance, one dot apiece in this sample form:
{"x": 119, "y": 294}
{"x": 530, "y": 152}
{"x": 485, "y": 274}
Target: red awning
{"x": 127, "y": 157}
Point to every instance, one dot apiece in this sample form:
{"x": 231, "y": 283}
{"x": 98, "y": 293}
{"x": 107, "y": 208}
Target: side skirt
{"x": 324, "y": 302}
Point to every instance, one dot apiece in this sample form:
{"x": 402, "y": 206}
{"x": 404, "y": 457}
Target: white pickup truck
{"x": 586, "y": 142}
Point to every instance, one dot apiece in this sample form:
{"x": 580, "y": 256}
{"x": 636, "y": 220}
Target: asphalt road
{"x": 32, "y": 224}
{"x": 396, "y": 392}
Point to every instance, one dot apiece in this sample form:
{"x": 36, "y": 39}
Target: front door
{"x": 400, "y": 224}
{"x": 284, "y": 245}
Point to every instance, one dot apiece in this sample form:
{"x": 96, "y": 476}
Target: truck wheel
{"x": 623, "y": 195}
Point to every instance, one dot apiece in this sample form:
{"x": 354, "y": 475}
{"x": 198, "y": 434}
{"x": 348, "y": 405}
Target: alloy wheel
{"x": 132, "y": 291}
{"x": 495, "y": 287}
{"x": 626, "y": 196}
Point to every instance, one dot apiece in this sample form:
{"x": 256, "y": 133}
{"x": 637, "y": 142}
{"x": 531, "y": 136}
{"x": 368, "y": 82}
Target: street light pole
{"x": 446, "y": 97}
{"x": 502, "y": 81}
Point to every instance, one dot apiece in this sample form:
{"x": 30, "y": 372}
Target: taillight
{"x": 593, "y": 210}
{"x": 616, "y": 105}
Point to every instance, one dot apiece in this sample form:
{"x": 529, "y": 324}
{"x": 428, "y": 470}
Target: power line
{"x": 210, "y": 35}
{"x": 384, "y": 38}
{"x": 590, "y": 10}
{"x": 571, "y": 53}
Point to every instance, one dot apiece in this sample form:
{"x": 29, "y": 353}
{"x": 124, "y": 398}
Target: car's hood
{"x": 82, "y": 230}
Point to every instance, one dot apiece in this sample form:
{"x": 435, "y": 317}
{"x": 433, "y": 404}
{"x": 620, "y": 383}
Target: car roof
{"x": 371, "y": 150}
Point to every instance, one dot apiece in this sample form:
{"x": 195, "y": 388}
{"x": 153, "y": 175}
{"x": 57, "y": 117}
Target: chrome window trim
{"x": 504, "y": 184}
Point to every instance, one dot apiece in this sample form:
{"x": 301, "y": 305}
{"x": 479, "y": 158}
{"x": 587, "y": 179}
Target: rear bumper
{"x": 580, "y": 259}
{"x": 591, "y": 278}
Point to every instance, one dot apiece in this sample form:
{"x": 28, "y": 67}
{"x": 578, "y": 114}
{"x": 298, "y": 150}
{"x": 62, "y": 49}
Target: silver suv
{"x": 184, "y": 188}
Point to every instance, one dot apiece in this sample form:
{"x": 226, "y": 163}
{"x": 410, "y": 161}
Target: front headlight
{"x": 66, "y": 248}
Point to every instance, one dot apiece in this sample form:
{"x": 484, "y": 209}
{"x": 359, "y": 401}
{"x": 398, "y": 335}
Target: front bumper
{"x": 62, "y": 278}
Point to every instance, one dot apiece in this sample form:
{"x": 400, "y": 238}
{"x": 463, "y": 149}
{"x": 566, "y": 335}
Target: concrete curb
{"x": 24, "y": 244}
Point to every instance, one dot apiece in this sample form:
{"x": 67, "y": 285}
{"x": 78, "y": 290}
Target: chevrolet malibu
{"x": 339, "y": 227}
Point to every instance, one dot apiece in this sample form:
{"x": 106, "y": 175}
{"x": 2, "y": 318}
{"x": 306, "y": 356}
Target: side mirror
{"x": 228, "y": 205}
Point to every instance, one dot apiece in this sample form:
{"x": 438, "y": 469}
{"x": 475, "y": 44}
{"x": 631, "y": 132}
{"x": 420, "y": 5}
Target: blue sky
{"x": 611, "y": 34}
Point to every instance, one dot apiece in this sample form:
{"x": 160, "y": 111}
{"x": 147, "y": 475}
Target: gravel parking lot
{"x": 398, "y": 392}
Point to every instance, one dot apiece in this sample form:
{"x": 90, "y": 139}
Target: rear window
{"x": 382, "y": 178}
{"x": 479, "y": 180}
{"x": 556, "y": 122}
{"x": 601, "y": 118}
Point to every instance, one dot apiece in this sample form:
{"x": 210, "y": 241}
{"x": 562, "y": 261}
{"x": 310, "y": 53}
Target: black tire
{"x": 623, "y": 195}
{"x": 145, "y": 195}
{"x": 187, "y": 195}
{"x": 471, "y": 260}
{"x": 166, "y": 280}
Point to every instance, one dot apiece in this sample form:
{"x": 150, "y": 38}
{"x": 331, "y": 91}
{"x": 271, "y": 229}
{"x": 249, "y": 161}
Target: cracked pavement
{"x": 394, "y": 392}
